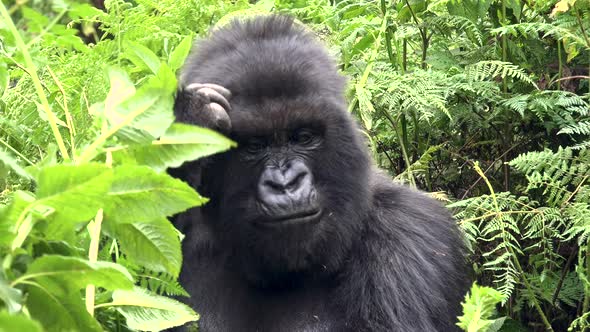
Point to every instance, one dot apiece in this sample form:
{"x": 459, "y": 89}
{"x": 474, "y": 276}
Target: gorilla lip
{"x": 299, "y": 218}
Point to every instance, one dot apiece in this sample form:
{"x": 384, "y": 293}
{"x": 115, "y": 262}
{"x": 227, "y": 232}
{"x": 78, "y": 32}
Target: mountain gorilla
{"x": 302, "y": 232}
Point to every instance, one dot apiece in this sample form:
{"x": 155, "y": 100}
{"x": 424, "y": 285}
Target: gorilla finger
{"x": 221, "y": 90}
{"x": 215, "y": 97}
{"x": 220, "y": 117}
{"x": 217, "y": 109}
{"x": 195, "y": 91}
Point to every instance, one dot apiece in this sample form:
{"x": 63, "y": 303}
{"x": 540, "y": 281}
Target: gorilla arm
{"x": 205, "y": 105}
{"x": 411, "y": 274}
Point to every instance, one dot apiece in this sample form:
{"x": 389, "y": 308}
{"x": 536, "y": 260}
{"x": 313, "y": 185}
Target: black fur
{"x": 381, "y": 258}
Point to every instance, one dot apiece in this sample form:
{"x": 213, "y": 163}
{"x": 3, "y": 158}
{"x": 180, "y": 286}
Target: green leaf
{"x": 83, "y": 10}
{"x": 61, "y": 275}
{"x": 75, "y": 192}
{"x": 12, "y": 323}
{"x": 140, "y": 194}
{"x": 121, "y": 89}
{"x": 4, "y": 77}
{"x": 478, "y": 308}
{"x": 180, "y": 143}
{"x": 153, "y": 245}
{"x": 474, "y": 10}
{"x": 60, "y": 313}
{"x": 417, "y": 7}
{"x": 142, "y": 57}
{"x": 146, "y": 311}
{"x": 10, "y": 161}
{"x": 13, "y": 214}
{"x": 180, "y": 53}
{"x": 153, "y": 105}
{"x": 12, "y": 297}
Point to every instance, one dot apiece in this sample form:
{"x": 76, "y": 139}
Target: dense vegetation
{"x": 484, "y": 103}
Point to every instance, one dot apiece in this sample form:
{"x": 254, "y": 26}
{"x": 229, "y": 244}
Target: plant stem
{"x": 586, "y": 304}
{"x": 504, "y": 46}
{"x": 512, "y": 254}
{"x": 32, "y": 70}
{"x": 560, "y": 64}
{"x": 94, "y": 230}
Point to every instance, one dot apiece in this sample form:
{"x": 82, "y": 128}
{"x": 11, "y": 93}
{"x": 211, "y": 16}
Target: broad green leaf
{"x": 150, "y": 109}
{"x": 516, "y": 8}
{"x": 12, "y": 323}
{"x": 417, "y": 7}
{"x": 153, "y": 245}
{"x": 478, "y": 308}
{"x": 11, "y": 297}
{"x": 75, "y": 192}
{"x": 180, "y": 143}
{"x": 10, "y": 161}
{"x": 140, "y": 194}
{"x": 180, "y": 53}
{"x": 142, "y": 57}
{"x": 121, "y": 90}
{"x": 84, "y": 10}
{"x": 474, "y": 10}
{"x": 60, "y": 313}
{"x": 12, "y": 214}
{"x": 156, "y": 97}
{"x": 61, "y": 275}
{"x": 150, "y": 312}
{"x": 36, "y": 21}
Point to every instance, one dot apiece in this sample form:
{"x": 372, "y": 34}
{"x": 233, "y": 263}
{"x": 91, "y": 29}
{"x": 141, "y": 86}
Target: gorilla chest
{"x": 228, "y": 304}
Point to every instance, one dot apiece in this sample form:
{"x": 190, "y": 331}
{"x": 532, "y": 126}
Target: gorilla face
{"x": 279, "y": 207}
{"x": 294, "y": 193}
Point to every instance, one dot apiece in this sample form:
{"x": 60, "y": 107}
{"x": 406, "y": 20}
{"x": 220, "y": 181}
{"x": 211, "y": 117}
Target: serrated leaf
{"x": 60, "y": 313}
{"x": 152, "y": 104}
{"x": 140, "y": 194}
{"x": 478, "y": 308}
{"x": 121, "y": 90}
{"x": 11, "y": 214}
{"x": 10, "y": 162}
{"x": 76, "y": 192}
{"x": 142, "y": 57}
{"x": 12, "y": 323}
{"x": 180, "y": 143}
{"x": 180, "y": 53}
{"x": 11, "y": 297}
{"x": 62, "y": 275}
{"x": 149, "y": 312}
{"x": 153, "y": 245}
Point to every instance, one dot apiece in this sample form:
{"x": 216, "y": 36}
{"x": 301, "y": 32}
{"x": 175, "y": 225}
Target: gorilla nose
{"x": 286, "y": 188}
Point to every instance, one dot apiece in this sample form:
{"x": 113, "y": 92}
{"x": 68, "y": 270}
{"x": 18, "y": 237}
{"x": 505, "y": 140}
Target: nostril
{"x": 273, "y": 185}
{"x": 296, "y": 182}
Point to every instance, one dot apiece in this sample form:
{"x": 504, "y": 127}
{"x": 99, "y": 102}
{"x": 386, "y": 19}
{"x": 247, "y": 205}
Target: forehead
{"x": 269, "y": 116}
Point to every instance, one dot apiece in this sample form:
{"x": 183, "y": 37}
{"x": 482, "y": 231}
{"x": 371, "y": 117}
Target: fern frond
{"x": 487, "y": 69}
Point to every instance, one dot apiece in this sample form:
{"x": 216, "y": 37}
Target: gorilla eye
{"x": 255, "y": 144}
{"x": 303, "y": 137}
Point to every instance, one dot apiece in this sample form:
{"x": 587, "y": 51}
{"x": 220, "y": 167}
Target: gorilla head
{"x": 274, "y": 198}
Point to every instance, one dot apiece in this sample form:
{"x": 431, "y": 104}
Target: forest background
{"x": 482, "y": 103}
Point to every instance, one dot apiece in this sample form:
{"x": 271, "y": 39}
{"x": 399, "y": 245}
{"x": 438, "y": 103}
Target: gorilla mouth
{"x": 298, "y": 218}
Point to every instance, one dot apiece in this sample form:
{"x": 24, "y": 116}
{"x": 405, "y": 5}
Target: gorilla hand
{"x": 204, "y": 104}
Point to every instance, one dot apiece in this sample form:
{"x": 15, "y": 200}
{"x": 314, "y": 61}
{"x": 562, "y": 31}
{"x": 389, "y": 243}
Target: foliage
{"x": 479, "y": 306}
{"x": 85, "y": 240}
{"x": 483, "y": 102}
